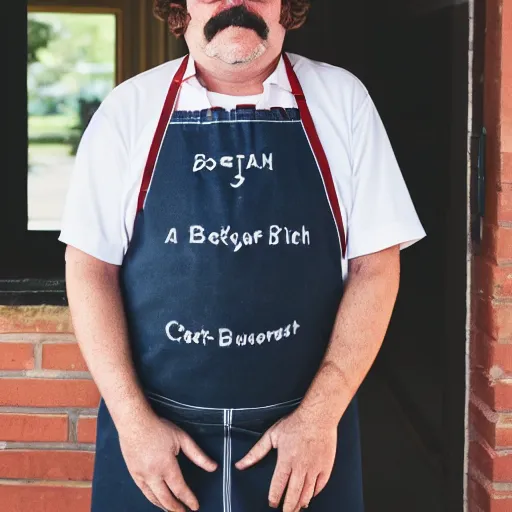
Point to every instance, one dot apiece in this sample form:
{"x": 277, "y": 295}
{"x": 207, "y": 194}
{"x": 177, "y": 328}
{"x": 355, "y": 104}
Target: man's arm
{"x": 306, "y": 440}
{"x": 100, "y": 326}
{"x": 361, "y": 324}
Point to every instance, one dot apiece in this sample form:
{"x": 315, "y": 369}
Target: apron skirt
{"x": 226, "y": 435}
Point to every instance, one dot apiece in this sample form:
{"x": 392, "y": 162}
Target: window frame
{"x": 32, "y": 262}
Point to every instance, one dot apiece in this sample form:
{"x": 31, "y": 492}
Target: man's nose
{"x": 234, "y": 3}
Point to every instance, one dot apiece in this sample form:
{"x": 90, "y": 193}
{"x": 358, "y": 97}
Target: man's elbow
{"x": 383, "y": 264}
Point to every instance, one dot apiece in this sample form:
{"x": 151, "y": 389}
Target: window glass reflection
{"x": 71, "y": 68}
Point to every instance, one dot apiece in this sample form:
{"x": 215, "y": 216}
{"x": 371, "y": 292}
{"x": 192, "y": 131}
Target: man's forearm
{"x": 100, "y": 327}
{"x": 359, "y": 330}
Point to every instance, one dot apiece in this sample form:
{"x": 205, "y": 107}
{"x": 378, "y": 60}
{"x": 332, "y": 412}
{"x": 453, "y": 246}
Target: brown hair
{"x": 174, "y": 12}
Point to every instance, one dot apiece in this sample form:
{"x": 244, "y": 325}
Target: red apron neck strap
{"x": 318, "y": 150}
{"x": 293, "y": 79}
{"x": 165, "y": 117}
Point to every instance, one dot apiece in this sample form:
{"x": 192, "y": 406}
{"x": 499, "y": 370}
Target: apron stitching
{"x": 235, "y": 121}
{"x": 226, "y": 477}
{"x": 224, "y": 466}
{"x": 230, "y": 421}
{"x": 173, "y": 402}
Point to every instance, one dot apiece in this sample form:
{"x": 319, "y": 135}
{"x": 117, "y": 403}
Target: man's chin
{"x": 235, "y": 52}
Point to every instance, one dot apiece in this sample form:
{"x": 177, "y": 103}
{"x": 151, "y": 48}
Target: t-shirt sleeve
{"x": 92, "y": 214}
{"x": 382, "y": 213}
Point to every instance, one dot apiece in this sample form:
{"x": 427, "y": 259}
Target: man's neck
{"x": 233, "y": 80}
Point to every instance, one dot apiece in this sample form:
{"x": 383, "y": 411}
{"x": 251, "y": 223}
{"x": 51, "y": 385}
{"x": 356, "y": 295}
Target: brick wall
{"x": 490, "y": 452}
{"x": 47, "y": 413}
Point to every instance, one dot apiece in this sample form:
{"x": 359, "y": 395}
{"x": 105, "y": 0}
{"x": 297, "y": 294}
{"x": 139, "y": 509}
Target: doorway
{"x": 413, "y": 57}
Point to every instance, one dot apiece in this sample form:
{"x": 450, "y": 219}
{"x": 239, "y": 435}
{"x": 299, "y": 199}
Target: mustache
{"x": 238, "y": 16}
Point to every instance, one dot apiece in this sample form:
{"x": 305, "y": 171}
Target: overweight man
{"x": 234, "y": 224}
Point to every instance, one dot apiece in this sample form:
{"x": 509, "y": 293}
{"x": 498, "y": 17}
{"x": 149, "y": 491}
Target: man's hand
{"x": 306, "y": 450}
{"x": 150, "y": 448}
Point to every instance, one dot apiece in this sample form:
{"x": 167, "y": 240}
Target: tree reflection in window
{"x": 71, "y": 68}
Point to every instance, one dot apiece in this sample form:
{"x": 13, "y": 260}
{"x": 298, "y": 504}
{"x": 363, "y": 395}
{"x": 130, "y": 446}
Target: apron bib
{"x": 231, "y": 285}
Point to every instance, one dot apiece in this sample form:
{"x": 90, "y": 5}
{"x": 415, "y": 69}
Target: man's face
{"x": 235, "y": 31}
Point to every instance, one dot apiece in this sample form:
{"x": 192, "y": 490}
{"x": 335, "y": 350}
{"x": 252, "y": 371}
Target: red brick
{"x": 48, "y": 393}
{"x": 481, "y": 274}
{"x": 504, "y": 430}
{"x": 44, "y": 498}
{"x": 504, "y": 199}
{"x": 502, "y": 279}
{"x": 497, "y": 395}
{"x": 34, "y": 427}
{"x": 481, "y": 387}
{"x": 491, "y": 280}
{"x": 86, "y": 429}
{"x": 479, "y": 350}
{"x": 497, "y": 241}
{"x": 477, "y": 495}
{"x": 506, "y": 168}
{"x": 63, "y": 356}
{"x": 499, "y": 202}
{"x": 503, "y": 468}
{"x": 501, "y": 357}
{"x": 495, "y": 466}
{"x": 487, "y": 499}
{"x": 46, "y": 465}
{"x": 503, "y": 396}
{"x": 504, "y": 244}
{"x": 503, "y": 437}
{"x": 499, "y": 504}
{"x": 493, "y": 163}
{"x": 492, "y": 78}
{"x": 481, "y": 459}
{"x": 493, "y": 64}
{"x": 506, "y": 84}
{"x": 491, "y": 199}
{"x": 478, "y": 356}
{"x": 495, "y": 428}
{"x": 494, "y": 317}
{"x": 489, "y": 240}
{"x": 17, "y": 319}
{"x": 506, "y": 35}
{"x": 485, "y": 428}
{"x": 16, "y": 356}
{"x": 506, "y": 118}
{"x": 491, "y": 357}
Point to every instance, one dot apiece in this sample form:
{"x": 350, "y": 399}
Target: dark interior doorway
{"x": 413, "y": 57}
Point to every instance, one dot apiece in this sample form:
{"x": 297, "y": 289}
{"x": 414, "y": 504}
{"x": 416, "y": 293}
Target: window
{"x": 64, "y": 57}
{"x": 71, "y": 67}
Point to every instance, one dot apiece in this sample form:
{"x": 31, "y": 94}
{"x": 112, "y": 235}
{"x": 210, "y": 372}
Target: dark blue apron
{"x": 231, "y": 285}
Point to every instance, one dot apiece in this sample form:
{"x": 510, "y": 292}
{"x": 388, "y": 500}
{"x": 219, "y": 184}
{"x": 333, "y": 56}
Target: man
{"x": 233, "y": 224}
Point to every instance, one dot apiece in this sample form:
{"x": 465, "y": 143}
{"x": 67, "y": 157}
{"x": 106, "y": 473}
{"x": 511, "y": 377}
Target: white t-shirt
{"x": 228, "y": 102}
{"x": 102, "y": 200}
